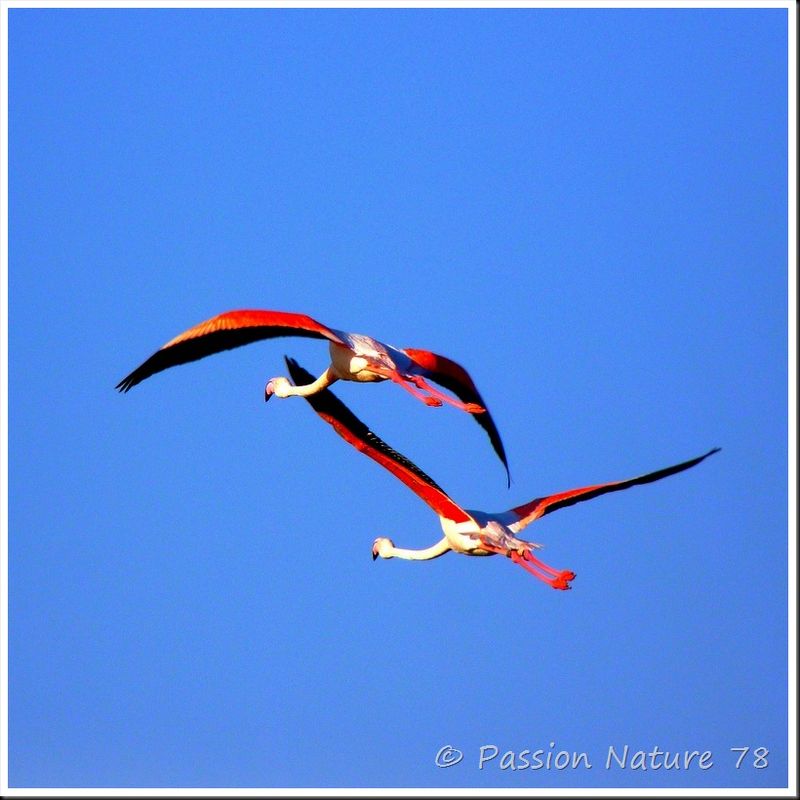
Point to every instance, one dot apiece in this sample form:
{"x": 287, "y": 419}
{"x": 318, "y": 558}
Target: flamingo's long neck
{"x": 326, "y": 379}
{"x": 436, "y": 550}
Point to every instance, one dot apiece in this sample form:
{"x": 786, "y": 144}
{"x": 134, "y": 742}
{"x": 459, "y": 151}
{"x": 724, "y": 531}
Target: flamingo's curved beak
{"x": 269, "y": 390}
{"x": 374, "y": 552}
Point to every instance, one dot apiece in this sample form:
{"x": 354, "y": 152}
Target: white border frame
{"x": 792, "y": 254}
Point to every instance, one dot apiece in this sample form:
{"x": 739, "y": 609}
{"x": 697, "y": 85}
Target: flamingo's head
{"x": 382, "y": 547}
{"x": 277, "y": 386}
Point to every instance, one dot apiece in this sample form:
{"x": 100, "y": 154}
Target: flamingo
{"x": 354, "y": 357}
{"x": 473, "y": 533}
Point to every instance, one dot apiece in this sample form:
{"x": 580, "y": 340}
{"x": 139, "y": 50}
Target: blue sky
{"x": 586, "y": 208}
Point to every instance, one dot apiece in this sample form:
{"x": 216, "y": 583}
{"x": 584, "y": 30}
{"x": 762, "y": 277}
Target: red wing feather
{"x": 454, "y": 377}
{"x": 356, "y": 433}
{"x": 224, "y": 332}
{"x": 544, "y": 505}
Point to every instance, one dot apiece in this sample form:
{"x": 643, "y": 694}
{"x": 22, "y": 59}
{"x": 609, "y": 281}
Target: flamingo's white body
{"x": 473, "y": 533}
{"x": 354, "y": 357}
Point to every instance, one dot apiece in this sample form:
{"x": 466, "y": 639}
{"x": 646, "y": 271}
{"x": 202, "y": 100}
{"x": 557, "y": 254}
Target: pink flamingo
{"x": 354, "y": 357}
{"x": 473, "y": 533}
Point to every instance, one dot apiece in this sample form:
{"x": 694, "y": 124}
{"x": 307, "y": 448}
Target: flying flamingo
{"x": 473, "y": 533}
{"x": 354, "y": 357}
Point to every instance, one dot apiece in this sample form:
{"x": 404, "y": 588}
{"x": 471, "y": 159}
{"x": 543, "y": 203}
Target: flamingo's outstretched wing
{"x": 356, "y": 433}
{"x": 223, "y": 332}
{"x": 454, "y": 377}
{"x": 517, "y": 518}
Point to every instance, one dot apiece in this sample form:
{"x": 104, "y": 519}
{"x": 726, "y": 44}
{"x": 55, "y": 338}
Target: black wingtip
{"x": 695, "y": 461}
{"x": 291, "y": 365}
{"x": 129, "y": 381}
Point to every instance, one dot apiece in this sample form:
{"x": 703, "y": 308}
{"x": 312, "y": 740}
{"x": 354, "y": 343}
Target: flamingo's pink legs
{"x": 434, "y": 398}
{"x": 400, "y": 380}
{"x": 472, "y": 408}
{"x": 528, "y": 561}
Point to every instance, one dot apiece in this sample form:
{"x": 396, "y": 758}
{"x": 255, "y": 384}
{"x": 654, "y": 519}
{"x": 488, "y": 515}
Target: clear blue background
{"x": 587, "y": 209}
